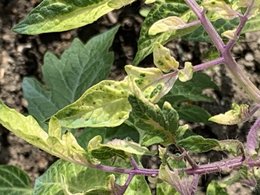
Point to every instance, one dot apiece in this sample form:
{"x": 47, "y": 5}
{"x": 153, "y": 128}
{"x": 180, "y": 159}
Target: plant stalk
{"x": 224, "y": 50}
{"x": 219, "y": 166}
{"x": 208, "y": 64}
{"x": 241, "y": 78}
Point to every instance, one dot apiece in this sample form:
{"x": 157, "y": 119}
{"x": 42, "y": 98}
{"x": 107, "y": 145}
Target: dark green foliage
{"x": 67, "y": 78}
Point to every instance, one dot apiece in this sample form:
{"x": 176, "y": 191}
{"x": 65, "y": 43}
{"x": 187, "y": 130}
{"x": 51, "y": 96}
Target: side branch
{"x": 208, "y": 64}
{"x": 207, "y": 25}
{"x": 224, "y": 50}
{"x": 243, "y": 20}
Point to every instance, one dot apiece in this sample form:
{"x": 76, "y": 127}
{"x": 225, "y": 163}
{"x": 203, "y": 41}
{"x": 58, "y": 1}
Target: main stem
{"x": 214, "y": 167}
{"x": 224, "y": 50}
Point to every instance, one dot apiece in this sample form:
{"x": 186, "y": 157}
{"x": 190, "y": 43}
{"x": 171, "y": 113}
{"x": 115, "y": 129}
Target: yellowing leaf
{"x": 163, "y": 60}
{"x": 255, "y": 7}
{"x": 116, "y": 4}
{"x": 181, "y": 131}
{"x": 60, "y": 15}
{"x": 220, "y": 9}
{"x": 63, "y": 146}
{"x": 236, "y": 115}
{"x": 234, "y": 147}
{"x": 128, "y": 147}
{"x": 103, "y": 105}
{"x": 24, "y": 127}
{"x": 230, "y": 34}
{"x": 149, "y": 83}
{"x": 149, "y": 1}
{"x": 167, "y": 24}
{"x": 186, "y": 73}
{"x": 116, "y": 147}
{"x": 54, "y": 128}
{"x": 159, "y": 11}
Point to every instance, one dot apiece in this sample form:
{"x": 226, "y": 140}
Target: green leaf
{"x": 191, "y": 90}
{"x": 68, "y": 178}
{"x": 193, "y": 113}
{"x": 117, "y": 4}
{"x": 181, "y": 131}
{"x": 253, "y": 24}
{"x": 234, "y": 147}
{"x": 67, "y": 78}
{"x": 221, "y": 25}
{"x": 160, "y": 10}
{"x": 137, "y": 186}
{"x": 184, "y": 185}
{"x": 164, "y": 188}
{"x": 219, "y": 9}
{"x": 237, "y": 114}
{"x": 120, "y": 132}
{"x": 116, "y": 147}
{"x": 214, "y": 188}
{"x": 14, "y": 181}
{"x": 147, "y": 42}
{"x": 182, "y": 94}
{"x": 60, "y": 15}
{"x": 63, "y": 146}
{"x": 149, "y": 83}
{"x": 154, "y": 124}
{"x": 197, "y": 143}
{"x": 103, "y": 105}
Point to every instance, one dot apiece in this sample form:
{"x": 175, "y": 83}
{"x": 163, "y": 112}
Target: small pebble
{"x": 249, "y": 57}
{"x": 257, "y": 56}
{"x": 2, "y": 73}
{"x": 258, "y": 41}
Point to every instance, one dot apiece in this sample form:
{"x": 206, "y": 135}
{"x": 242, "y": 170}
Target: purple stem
{"x": 213, "y": 34}
{"x": 123, "y": 188}
{"x": 243, "y": 20}
{"x": 196, "y": 68}
{"x": 237, "y": 72}
{"x": 252, "y": 137}
{"x": 192, "y": 163}
{"x": 253, "y": 109}
{"x": 193, "y": 23}
{"x": 208, "y": 64}
{"x": 218, "y": 166}
{"x": 241, "y": 77}
{"x": 139, "y": 171}
{"x": 224, "y": 165}
{"x": 134, "y": 163}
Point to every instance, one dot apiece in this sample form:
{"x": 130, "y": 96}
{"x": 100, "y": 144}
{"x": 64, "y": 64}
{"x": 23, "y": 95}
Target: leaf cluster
{"x": 98, "y": 126}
